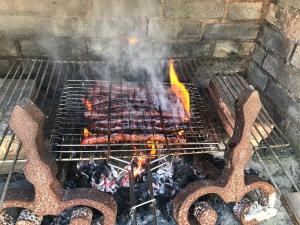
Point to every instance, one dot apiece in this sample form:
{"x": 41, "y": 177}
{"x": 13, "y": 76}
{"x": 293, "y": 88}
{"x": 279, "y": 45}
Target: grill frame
{"x": 66, "y": 136}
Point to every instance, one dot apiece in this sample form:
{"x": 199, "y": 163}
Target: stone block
{"x": 193, "y": 49}
{"x": 20, "y": 26}
{"x": 6, "y": 6}
{"x": 162, "y": 29}
{"x": 62, "y": 8}
{"x": 288, "y": 3}
{"x": 284, "y": 103}
{"x": 259, "y": 54}
{"x": 231, "y": 48}
{"x": 190, "y": 30}
{"x": 70, "y": 27}
{"x": 54, "y": 47}
{"x": 194, "y": 9}
{"x": 135, "y": 8}
{"x": 295, "y": 61}
{"x": 275, "y": 66}
{"x": 7, "y": 47}
{"x": 113, "y": 28}
{"x": 275, "y": 41}
{"x": 257, "y": 76}
{"x": 245, "y": 10}
{"x": 4, "y": 66}
{"x": 235, "y": 31}
{"x": 273, "y": 14}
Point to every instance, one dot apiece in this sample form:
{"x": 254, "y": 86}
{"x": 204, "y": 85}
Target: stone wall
{"x": 275, "y": 65}
{"x": 93, "y": 28}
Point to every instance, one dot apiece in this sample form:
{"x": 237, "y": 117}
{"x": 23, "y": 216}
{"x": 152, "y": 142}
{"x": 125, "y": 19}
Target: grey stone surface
{"x": 70, "y": 27}
{"x": 236, "y": 31}
{"x": 232, "y": 48}
{"x": 54, "y": 47}
{"x": 275, "y": 66}
{"x": 191, "y": 49}
{"x": 62, "y": 8}
{"x": 4, "y": 66}
{"x": 190, "y": 30}
{"x": 259, "y": 54}
{"x": 295, "y": 61}
{"x": 162, "y": 29}
{"x": 275, "y": 41}
{"x": 288, "y": 3}
{"x": 245, "y": 10}
{"x": 284, "y": 103}
{"x": 7, "y": 47}
{"x": 257, "y": 76}
{"x": 149, "y": 8}
{"x": 20, "y": 26}
{"x": 194, "y": 9}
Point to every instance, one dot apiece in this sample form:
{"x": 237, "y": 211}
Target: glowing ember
{"x": 179, "y": 89}
{"x": 140, "y": 166}
{"x": 86, "y": 132}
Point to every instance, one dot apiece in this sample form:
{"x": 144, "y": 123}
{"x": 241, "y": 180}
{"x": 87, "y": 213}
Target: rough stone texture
{"x": 162, "y": 29}
{"x": 7, "y": 47}
{"x": 62, "y": 8}
{"x": 259, "y": 54}
{"x": 149, "y": 8}
{"x": 194, "y": 9}
{"x": 230, "y": 48}
{"x": 245, "y": 10}
{"x": 289, "y": 3}
{"x": 239, "y": 31}
{"x": 275, "y": 41}
{"x": 190, "y": 30}
{"x": 285, "y": 104}
{"x": 4, "y": 66}
{"x": 191, "y": 49}
{"x": 54, "y": 47}
{"x": 66, "y": 27}
{"x": 296, "y": 57}
{"x": 275, "y": 66}
{"x": 24, "y": 25}
{"x": 257, "y": 76}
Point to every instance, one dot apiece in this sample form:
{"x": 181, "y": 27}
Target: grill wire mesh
{"x": 133, "y": 110}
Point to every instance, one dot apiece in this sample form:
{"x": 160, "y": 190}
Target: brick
{"x": 193, "y": 49}
{"x": 112, "y": 28}
{"x": 284, "y": 103}
{"x": 229, "y": 48}
{"x": 275, "y": 66}
{"x": 54, "y": 47}
{"x": 273, "y": 14}
{"x": 162, "y": 29}
{"x": 4, "y": 66}
{"x": 245, "y": 10}
{"x": 24, "y": 25}
{"x": 194, "y": 9}
{"x": 70, "y": 27}
{"x": 275, "y": 41}
{"x": 144, "y": 8}
{"x": 258, "y": 54}
{"x": 288, "y": 3}
{"x": 295, "y": 61}
{"x": 235, "y": 31}
{"x": 190, "y": 30}
{"x": 7, "y": 47}
{"x": 257, "y": 76}
{"x": 63, "y": 8}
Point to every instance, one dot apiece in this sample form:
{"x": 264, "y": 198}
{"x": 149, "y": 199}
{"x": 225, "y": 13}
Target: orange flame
{"x": 133, "y": 40}
{"x": 179, "y": 89}
{"x": 141, "y": 162}
{"x": 86, "y": 132}
{"x": 88, "y": 104}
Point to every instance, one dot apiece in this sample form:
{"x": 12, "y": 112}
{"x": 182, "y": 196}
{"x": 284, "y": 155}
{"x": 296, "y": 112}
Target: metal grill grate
{"x": 131, "y": 111}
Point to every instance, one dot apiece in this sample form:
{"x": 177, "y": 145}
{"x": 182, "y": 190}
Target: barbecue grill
{"x": 57, "y": 87}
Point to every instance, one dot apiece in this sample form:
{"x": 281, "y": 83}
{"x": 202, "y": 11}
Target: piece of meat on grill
{"x": 116, "y": 138}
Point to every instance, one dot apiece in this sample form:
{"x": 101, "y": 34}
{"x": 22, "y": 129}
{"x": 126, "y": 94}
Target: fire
{"x": 151, "y": 145}
{"x": 88, "y": 104}
{"x": 132, "y": 40}
{"x": 140, "y": 164}
{"x": 86, "y": 132}
{"x": 179, "y": 89}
